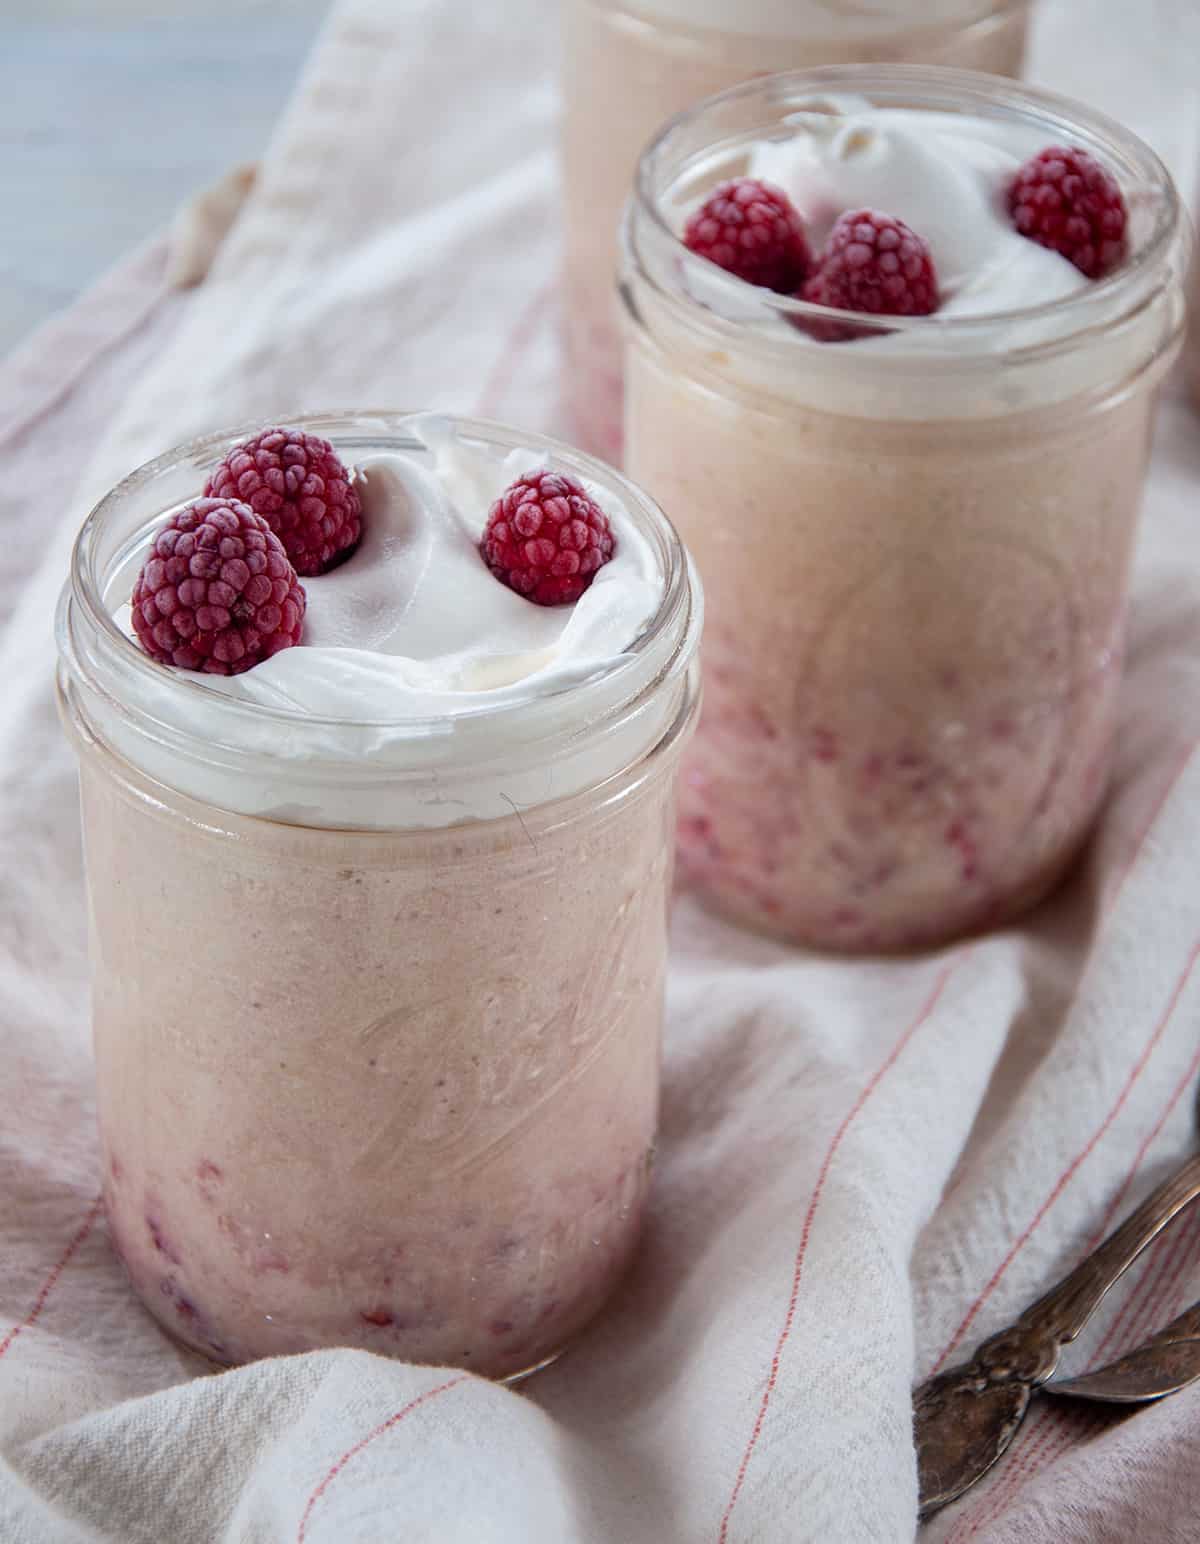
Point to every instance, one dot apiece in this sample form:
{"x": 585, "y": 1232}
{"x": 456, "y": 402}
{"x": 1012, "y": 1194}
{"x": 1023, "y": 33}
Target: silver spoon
{"x": 1165, "y": 1364}
{"x": 965, "y": 1418}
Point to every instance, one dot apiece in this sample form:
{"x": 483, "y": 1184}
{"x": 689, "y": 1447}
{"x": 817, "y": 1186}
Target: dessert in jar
{"x": 377, "y": 721}
{"x": 630, "y": 64}
{"x": 909, "y": 474}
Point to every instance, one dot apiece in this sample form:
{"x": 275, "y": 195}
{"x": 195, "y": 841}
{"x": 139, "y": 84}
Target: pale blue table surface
{"x": 112, "y": 112}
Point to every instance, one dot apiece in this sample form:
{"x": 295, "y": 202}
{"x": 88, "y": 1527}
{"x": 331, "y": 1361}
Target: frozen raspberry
{"x": 875, "y": 264}
{"x": 546, "y": 539}
{"x": 752, "y": 230}
{"x": 298, "y": 484}
{"x": 1064, "y": 199}
{"x": 217, "y": 592}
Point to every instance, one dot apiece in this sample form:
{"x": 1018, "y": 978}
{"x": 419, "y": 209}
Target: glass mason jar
{"x": 915, "y": 545}
{"x": 377, "y": 1006}
{"x": 629, "y": 66}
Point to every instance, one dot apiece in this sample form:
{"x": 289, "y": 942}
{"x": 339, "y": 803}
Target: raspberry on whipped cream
{"x": 217, "y": 593}
{"x": 1065, "y": 200}
{"x": 299, "y": 485}
{"x": 875, "y": 264}
{"x": 915, "y": 213}
{"x": 547, "y": 538}
{"x": 753, "y": 231}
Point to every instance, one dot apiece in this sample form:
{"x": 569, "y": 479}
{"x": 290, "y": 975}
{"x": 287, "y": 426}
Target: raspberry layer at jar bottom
{"x": 912, "y": 658}
{"x": 387, "y": 1090}
{"x": 630, "y": 73}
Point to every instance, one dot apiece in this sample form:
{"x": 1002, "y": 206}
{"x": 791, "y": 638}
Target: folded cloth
{"x": 865, "y": 1167}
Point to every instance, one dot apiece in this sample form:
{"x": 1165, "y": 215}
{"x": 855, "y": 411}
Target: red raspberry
{"x": 754, "y": 231}
{"x": 1064, "y": 199}
{"x": 875, "y": 264}
{"x": 217, "y": 592}
{"x": 546, "y": 539}
{"x": 298, "y": 484}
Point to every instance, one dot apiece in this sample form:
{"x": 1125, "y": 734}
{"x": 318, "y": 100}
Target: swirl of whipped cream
{"x": 415, "y": 626}
{"x": 1032, "y": 328}
{"x": 424, "y": 692}
{"x": 943, "y": 174}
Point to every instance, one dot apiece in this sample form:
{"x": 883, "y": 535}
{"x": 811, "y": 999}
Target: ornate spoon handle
{"x": 966, "y": 1417}
{"x": 1030, "y": 1348}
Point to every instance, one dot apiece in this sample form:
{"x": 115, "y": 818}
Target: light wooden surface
{"x": 112, "y": 112}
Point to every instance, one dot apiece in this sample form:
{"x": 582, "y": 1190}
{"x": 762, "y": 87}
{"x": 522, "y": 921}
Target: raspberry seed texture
{"x": 752, "y": 230}
{"x": 217, "y": 592}
{"x": 875, "y": 264}
{"x": 1065, "y": 200}
{"x": 299, "y": 485}
{"x": 547, "y": 538}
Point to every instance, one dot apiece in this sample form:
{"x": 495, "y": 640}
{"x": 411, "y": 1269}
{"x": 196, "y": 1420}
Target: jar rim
{"x": 929, "y": 88}
{"x": 613, "y": 790}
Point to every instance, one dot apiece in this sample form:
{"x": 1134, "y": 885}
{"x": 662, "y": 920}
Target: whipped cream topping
{"x": 943, "y": 174}
{"x": 814, "y": 18}
{"x": 413, "y": 625}
{"x": 1019, "y": 326}
{"x": 424, "y": 692}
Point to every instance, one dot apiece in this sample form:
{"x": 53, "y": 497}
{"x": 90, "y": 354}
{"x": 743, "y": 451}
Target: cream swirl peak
{"x": 945, "y": 175}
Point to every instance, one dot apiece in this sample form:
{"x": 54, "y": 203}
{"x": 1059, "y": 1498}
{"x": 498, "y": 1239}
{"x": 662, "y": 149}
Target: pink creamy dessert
{"x": 910, "y": 481}
{"x": 378, "y": 868}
